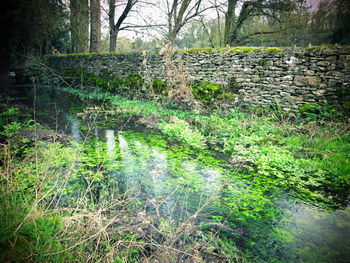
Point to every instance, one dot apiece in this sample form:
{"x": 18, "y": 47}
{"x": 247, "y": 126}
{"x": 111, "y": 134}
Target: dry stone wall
{"x": 289, "y": 77}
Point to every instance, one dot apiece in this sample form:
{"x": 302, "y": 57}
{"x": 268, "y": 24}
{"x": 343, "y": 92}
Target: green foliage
{"x": 133, "y": 81}
{"x": 207, "y": 92}
{"x": 8, "y": 116}
{"x": 321, "y": 113}
{"x": 38, "y": 72}
{"x": 159, "y": 86}
{"x": 181, "y": 130}
{"x": 11, "y": 129}
{"x": 310, "y": 109}
{"x": 226, "y": 95}
{"x": 36, "y": 238}
{"x": 41, "y": 238}
{"x": 132, "y": 85}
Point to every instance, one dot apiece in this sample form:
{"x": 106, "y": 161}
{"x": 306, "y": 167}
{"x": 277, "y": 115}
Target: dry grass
{"x": 178, "y": 79}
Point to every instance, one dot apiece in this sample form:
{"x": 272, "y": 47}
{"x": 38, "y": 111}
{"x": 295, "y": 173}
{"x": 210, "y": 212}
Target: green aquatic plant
{"x": 181, "y": 130}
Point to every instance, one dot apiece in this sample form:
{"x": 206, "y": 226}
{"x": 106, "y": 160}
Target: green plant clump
{"x": 310, "y": 108}
{"x": 206, "y": 91}
{"x": 132, "y": 85}
{"x": 197, "y": 50}
{"x": 159, "y": 86}
{"x": 273, "y": 50}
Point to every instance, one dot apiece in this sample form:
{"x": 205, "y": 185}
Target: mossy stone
{"x": 310, "y": 108}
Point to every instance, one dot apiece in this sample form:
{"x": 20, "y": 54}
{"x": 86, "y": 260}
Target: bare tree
{"x": 95, "y": 25}
{"x": 116, "y": 27}
{"x": 131, "y": 8}
{"x": 79, "y": 25}
{"x": 179, "y": 13}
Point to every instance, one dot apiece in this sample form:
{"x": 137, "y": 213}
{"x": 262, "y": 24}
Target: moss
{"x": 233, "y": 50}
{"x": 206, "y": 91}
{"x": 322, "y": 47}
{"x": 310, "y": 108}
{"x": 105, "y": 80}
{"x": 91, "y": 56}
{"x": 223, "y": 50}
{"x": 209, "y": 93}
{"x": 273, "y": 50}
{"x": 197, "y": 50}
{"x": 227, "y": 95}
{"x": 94, "y": 54}
{"x": 241, "y": 50}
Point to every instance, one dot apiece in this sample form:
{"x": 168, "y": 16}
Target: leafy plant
{"x": 181, "y": 130}
{"x": 206, "y": 91}
{"x": 159, "y": 86}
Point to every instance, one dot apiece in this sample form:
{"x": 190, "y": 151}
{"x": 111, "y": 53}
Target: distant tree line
{"x": 39, "y": 27}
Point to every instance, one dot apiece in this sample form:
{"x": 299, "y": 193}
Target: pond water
{"x": 176, "y": 181}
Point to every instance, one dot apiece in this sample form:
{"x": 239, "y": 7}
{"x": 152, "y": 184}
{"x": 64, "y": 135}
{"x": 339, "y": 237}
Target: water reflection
{"x": 110, "y": 140}
{"x": 322, "y": 236}
{"x": 75, "y": 128}
{"x": 144, "y": 171}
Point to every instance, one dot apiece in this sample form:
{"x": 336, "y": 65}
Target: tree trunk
{"x": 112, "y": 32}
{"x": 234, "y": 24}
{"x": 113, "y": 36}
{"x": 230, "y": 18}
{"x": 95, "y": 26}
{"x": 79, "y": 23}
{"x": 171, "y": 38}
{"x": 115, "y": 28}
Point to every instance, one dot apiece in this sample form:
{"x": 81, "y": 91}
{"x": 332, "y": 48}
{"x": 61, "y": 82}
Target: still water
{"x": 142, "y": 163}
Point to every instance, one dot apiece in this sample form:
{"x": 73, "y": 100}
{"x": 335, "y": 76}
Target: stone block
{"x": 301, "y": 81}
